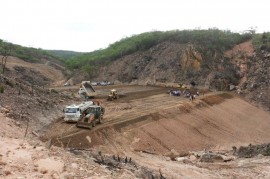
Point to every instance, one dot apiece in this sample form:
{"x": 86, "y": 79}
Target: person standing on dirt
{"x": 191, "y": 97}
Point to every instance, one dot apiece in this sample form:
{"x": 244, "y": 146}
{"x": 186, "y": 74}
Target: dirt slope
{"x": 219, "y": 121}
{"x": 220, "y": 126}
{"x": 29, "y": 158}
{"x": 245, "y": 48}
{"x": 26, "y": 157}
{"x": 149, "y": 128}
{"x": 54, "y": 75}
{"x": 25, "y": 95}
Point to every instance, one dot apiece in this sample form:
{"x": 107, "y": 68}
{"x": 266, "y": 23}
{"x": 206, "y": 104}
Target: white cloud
{"x": 86, "y": 25}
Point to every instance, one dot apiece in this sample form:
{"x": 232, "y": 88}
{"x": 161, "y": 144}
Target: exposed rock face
{"x": 253, "y": 70}
{"x": 240, "y": 56}
{"x": 158, "y": 64}
{"x": 257, "y": 85}
{"x": 191, "y": 59}
{"x": 173, "y": 62}
{"x": 170, "y": 62}
{"x": 164, "y": 63}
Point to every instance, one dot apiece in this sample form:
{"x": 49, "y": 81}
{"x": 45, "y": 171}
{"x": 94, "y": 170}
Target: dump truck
{"x": 113, "y": 95}
{"x": 86, "y": 90}
{"x": 73, "y": 113}
{"x": 91, "y": 116}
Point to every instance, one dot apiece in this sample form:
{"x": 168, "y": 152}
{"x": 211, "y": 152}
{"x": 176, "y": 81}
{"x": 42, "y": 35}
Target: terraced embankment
{"x": 159, "y": 123}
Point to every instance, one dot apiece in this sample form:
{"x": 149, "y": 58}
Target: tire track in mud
{"x": 156, "y": 139}
{"x": 200, "y": 133}
{"x": 210, "y": 121}
{"x": 137, "y": 114}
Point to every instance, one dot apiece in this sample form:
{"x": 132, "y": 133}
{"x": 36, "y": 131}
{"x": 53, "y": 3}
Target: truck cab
{"x": 73, "y": 113}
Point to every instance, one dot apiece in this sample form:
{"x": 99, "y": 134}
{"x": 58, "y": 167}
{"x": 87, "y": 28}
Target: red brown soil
{"x": 53, "y": 74}
{"x": 144, "y": 119}
{"x": 26, "y": 157}
{"x": 159, "y": 123}
{"x": 245, "y": 48}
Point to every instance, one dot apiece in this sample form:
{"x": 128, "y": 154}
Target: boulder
{"x": 5, "y": 110}
{"x": 211, "y": 158}
{"x": 172, "y": 154}
{"x": 232, "y": 87}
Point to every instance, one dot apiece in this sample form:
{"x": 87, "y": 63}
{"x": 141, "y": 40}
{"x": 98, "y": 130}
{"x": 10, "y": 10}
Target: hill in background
{"x": 64, "y": 54}
{"x": 211, "y": 59}
{"x": 32, "y": 55}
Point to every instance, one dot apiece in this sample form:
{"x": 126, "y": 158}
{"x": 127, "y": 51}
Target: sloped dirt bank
{"x": 214, "y": 122}
{"x": 173, "y": 126}
{"x": 23, "y": 156}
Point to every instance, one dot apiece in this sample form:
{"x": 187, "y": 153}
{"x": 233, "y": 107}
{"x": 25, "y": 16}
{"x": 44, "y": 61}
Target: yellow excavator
{"x": 113, "y": 95}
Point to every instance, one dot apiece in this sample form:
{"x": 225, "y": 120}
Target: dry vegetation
{"x": 146, "y": 133}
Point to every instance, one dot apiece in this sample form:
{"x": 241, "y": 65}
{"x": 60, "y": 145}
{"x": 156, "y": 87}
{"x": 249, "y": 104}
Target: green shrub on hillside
{"x": 2, "y": 89}
{"x": 212, "y": 40}
{"x": 262, "y": 41}
{"x": 25, "y": 53}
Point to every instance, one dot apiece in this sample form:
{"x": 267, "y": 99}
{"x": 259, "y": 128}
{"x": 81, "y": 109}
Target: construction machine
{"x": 86, "y": 90}
{"x": 113, "y": 95}
{"x": 74, "y": 112}
{"x": 91, "y": 116}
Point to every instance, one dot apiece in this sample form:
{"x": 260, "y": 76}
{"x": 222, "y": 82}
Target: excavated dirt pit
{"x": 151, "y": 125}
{"x": 152, "y": 121}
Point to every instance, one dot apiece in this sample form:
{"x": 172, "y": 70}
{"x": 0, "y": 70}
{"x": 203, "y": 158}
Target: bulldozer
{"x": 113, "y": 95}
{"x": 91, "y": 116}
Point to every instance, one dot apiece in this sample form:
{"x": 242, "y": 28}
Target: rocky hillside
{"x": 24, "y": 93}
{"x": 32, "y": 104}
{"x": 257, "y": 84}
{"x": 242, "y": 68}
{"x": 171, "y": 56}
{"x": 253, "y": 70}
{"x": 175, "y": 62}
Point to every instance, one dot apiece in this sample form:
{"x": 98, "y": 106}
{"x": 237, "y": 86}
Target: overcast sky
{"x": 87, "y": 25}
